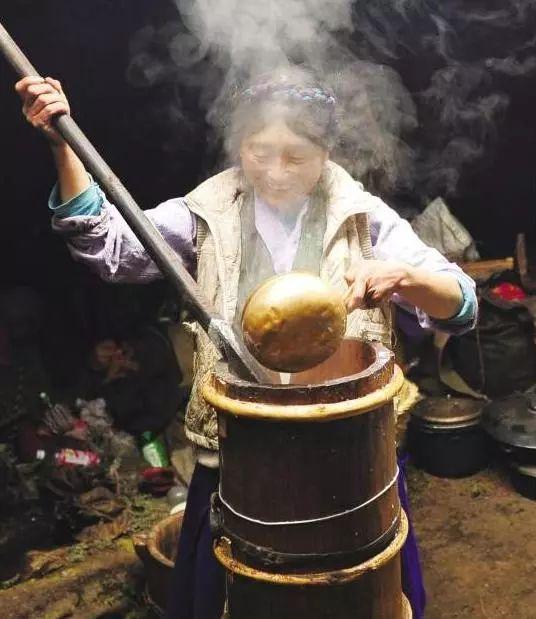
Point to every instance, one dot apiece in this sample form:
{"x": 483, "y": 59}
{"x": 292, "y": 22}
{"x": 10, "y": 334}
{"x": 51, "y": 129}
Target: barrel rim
{"x": 406, "y": 608}
{"x": 152, "y": 544}
{"x": 381, "y": 361}
{"x": 223, "y": 552}
{"x": 317, "y": 412}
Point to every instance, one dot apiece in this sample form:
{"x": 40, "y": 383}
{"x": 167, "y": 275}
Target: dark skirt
{"x": 198, "y": 582}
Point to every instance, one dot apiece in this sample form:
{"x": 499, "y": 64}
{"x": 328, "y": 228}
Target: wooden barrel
{"x": 158, "y": 549}
{"x": 308, "y": 486}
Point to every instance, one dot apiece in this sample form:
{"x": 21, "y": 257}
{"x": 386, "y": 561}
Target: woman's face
{"x": 282, "y": 166}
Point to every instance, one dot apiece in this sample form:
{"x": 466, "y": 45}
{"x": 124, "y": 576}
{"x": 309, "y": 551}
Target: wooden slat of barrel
{"x": 288, "y": 472}
{"x": 364, "y": 598}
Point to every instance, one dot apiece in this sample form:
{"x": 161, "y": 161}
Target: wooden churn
{"x": 157, "y": 550}
{"x": 307, "y": 519}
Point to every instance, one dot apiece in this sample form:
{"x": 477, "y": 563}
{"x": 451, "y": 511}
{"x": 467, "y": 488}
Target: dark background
{"x": 86, "y": 45}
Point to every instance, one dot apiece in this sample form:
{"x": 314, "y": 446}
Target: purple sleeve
{"x": 108, "y": 246}
{"x": 394, "y": 239}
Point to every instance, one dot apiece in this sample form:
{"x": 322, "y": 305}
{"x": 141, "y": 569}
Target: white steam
{"x": 389, "y": 138}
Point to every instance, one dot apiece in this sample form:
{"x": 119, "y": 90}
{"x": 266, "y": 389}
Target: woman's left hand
{"x": 373, "y": 281}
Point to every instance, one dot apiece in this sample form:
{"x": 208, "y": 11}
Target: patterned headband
{"x": 281, "y": 91}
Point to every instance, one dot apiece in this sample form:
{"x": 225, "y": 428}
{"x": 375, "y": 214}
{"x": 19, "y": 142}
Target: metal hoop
{"x": 224, "y": 554}
{"x": 319, "y": 412}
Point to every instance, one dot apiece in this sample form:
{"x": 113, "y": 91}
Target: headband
{"x": 282, "y": 91}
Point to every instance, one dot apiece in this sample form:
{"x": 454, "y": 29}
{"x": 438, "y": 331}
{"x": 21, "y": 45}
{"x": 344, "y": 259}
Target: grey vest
{"x": 222, "y": 256}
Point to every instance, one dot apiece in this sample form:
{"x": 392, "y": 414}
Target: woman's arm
{"x": 413, "y": 274}
{"x": 43, "y": 100}
{"x": 98, "y": 236}
{"x": 373, "y": 281}
{"x": 95, "y": 231}
{"x": 72, "y": 176}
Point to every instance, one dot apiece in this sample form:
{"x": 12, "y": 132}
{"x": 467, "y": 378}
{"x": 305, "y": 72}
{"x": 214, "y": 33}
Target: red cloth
{"x": 509, "y": 292}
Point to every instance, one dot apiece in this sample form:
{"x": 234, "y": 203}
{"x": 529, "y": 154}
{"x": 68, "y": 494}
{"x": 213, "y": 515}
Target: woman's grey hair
{"x": 292, "y": 95}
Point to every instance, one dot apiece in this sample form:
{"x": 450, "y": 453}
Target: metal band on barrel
{"x": 312, "y": 520}
{"x": 224, "y": 554}
{"x": 408, "y": 613}
{"x": 285, "y": 560}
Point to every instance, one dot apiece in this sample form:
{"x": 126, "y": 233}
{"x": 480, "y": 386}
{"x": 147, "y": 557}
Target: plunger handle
{"x": 225, "y": 337}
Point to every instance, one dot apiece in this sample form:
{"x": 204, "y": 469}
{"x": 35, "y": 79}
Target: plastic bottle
{"x": 71, "y": 457}
{"x": 153, "y": 450}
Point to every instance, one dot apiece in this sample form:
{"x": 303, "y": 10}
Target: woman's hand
{"x": 374, "y": 281}
{"x": 43, "y": 100}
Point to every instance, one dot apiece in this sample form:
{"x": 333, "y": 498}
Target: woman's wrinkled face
{"x": 283, "y": 167}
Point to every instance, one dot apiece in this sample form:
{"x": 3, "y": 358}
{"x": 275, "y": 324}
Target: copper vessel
{"x": 293, "y": 322}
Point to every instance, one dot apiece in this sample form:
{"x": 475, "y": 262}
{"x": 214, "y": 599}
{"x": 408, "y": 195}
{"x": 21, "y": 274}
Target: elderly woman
{"x": 284, "y": 205}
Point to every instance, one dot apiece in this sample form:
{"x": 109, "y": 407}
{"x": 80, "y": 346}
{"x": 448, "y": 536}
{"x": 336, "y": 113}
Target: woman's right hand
{"x": 43, "y": 100}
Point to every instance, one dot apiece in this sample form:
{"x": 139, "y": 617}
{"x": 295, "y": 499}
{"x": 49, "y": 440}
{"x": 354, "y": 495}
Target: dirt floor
{"x": 476, "y": 536}
{"x": 97, "y": 579}
{"x": 478, "y": 544}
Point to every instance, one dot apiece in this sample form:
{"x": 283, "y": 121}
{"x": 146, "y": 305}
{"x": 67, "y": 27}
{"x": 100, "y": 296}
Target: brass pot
{"x": 293, "y": 322}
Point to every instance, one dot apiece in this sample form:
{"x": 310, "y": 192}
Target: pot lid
{"x": 448, "y": 410}
{"x": 512, "y": 420}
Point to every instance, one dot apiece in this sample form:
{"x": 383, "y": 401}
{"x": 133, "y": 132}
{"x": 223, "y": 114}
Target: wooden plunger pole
{"x": 222, "y": 334}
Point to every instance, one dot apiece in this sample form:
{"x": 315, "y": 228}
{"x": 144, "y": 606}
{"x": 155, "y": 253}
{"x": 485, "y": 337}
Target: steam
{"x": 396, "y": 136}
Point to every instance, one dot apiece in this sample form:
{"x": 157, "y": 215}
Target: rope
{"x": 311, "y": 520}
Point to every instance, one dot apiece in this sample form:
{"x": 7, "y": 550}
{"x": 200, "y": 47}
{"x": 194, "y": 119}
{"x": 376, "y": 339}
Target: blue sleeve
{"x": 86, "y": 204}
{"x": 466, "y": 315}
{"x": 394, "y": 239}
